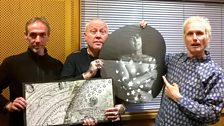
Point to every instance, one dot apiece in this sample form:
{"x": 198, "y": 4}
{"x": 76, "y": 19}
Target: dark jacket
{"x": 25, "y": 67}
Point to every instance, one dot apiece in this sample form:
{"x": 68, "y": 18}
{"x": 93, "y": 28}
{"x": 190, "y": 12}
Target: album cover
{"x": 67, "y": 102}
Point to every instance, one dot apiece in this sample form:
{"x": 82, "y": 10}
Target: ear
{"x": 209, "y": 37}
{"x": 85, "y": 35}
{"x": 25, "y": 35}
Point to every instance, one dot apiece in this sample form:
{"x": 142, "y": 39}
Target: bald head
{"x": 96, "y": 21}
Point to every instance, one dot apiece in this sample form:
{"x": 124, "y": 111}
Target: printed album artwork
{"x": 68, "y": 102}
{"x": 134, "y": 58}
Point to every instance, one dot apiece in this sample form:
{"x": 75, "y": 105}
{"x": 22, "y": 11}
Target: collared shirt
{"x": 201, "y": 84}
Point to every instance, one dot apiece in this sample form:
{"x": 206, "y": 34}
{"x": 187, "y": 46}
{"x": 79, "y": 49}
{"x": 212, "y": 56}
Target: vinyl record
{"x": 134, "y": 58}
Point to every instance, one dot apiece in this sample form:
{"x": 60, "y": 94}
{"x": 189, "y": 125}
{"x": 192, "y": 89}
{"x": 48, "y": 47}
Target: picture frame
{"x": 67, "y": 102}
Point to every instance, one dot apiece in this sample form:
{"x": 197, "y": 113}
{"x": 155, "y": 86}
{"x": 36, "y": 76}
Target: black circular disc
{"x": 134, "y": 58}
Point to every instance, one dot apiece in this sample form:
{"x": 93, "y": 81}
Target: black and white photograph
{"x": 134, "y": 58}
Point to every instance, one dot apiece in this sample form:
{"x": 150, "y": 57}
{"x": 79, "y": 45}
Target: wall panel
{"x": 15, "y": 13}
{"x": 63, "y": 16}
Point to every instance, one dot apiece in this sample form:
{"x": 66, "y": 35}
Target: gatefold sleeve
{"x": 67, "y": 102}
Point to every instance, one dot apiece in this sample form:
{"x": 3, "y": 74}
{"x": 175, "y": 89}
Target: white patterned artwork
{"x": 67, "y": 102}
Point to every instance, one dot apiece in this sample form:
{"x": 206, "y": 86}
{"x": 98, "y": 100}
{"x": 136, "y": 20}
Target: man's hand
{"x": 143, "y": 24}
{"x": 172, "y": 91}
{"x": 93, "y": 68}
{"x": 17, "y": 105}
{"x": 114, "y": 113}
{"x": 88, "y": 121}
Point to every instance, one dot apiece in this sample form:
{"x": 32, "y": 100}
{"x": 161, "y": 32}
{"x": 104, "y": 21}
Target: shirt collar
{"x": 35, "y": 55}
{"x": 196, "y": 59}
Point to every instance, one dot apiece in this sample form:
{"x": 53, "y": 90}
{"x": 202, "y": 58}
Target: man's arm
{"x": 95, "y": 65}
{"x": 209, "y": 109}
{"x": 3, "y": 84}
{"x": 19, "y": 103}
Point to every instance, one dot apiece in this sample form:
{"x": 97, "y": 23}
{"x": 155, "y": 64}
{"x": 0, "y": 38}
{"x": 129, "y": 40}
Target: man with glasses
{"x": 34, "y": 65}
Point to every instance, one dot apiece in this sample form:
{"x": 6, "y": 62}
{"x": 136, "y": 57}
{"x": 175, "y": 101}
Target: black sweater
{"x": 76, "y": 64}
{"x": 25, "y": 67}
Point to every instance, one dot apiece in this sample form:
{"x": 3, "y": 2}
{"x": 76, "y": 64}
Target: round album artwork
{"x": 134, "y": 58}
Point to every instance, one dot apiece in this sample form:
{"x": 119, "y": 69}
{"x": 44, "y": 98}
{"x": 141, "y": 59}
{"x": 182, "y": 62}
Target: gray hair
{"x": 38, "y": 19}
{"x": 201, "y": 19}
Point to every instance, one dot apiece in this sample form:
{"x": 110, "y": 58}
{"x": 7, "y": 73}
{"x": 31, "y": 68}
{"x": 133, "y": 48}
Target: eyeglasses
{"x": 34, "y": 35}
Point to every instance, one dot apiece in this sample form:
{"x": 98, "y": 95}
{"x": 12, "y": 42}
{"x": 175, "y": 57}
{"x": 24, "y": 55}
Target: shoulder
{"x": 15, "y": 58}
{"x": 77, "y": 54}
{"x": 213, "y": 67}
{"x": 54, "y": 60}
{"x": 210, "y": 65}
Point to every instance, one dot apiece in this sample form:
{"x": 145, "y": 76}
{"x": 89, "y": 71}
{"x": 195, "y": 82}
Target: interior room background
{"x": 68, "y": 17}
{"x": 166, "y": 16}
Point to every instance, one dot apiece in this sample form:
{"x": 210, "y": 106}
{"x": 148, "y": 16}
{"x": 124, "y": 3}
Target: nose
{"x": 194, "y": 36}
{"x": 98, "y": 34}
{"x": 38, "y": 39}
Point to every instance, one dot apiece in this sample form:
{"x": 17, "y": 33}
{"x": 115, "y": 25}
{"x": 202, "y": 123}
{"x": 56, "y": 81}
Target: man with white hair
{"x": 194, "y": 83}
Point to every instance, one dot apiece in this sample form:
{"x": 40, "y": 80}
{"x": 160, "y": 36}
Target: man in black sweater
{"x": 85, "y": 64}
{"x": 34, "y": 65}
